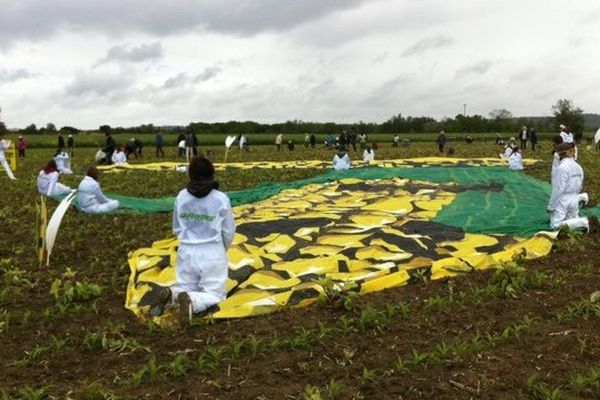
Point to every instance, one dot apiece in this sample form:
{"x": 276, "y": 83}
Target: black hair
{"x": 201, "y": 168}
{"x": 557, "y": 139}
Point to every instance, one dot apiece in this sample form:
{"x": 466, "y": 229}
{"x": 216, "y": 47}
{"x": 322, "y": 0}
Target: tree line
{"x": 500, "y": 121}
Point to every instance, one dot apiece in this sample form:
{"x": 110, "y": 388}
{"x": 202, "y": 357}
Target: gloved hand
{"x": 584, "y": 198}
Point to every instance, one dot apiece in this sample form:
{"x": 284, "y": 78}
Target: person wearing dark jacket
{"x": 61, "y": 141}
{"x": 110, "y": 148}
{"x": 533, "y": 138}
{"x": 159, "y": 141}
{"x": 441, "y": 141}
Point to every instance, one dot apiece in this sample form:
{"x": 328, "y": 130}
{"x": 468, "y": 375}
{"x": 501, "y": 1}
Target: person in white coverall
{"x": 47, "y": 181}
{"x": 63, "y": 163}
{"x": 5, "y": 145}
{"x": 565, "y": 198}
{"x": 119, "y": 157}
{"x": 203, "y": 222}
{"x": 90, "y": 197}
{"x": 368, "y": 154}
{"x": 341, "y": 160}
{"x": 568, "y": 137}
{"x": 515, "y": 160}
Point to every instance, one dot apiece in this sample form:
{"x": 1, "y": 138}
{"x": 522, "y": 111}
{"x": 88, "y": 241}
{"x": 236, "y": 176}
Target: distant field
{"x": 97, "y": 140}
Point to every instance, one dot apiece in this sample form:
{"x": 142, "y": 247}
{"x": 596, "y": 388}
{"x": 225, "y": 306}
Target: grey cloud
{"x": 143, "y": 52}
{"x": 428, "y": 44}
{"x": 14, "y": 75}
{"x": 479, "y": 68}
{"x": 34, "y": 20}
{"x": 183, "y": 79}
{"x": 98, "y": 84}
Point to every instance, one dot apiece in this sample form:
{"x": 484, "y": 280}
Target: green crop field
{"x": 524, "y": 330}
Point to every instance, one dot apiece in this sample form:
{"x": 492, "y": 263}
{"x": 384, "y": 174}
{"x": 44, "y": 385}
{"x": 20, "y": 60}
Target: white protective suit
{"x": 368, "y": 156}
{"x": 91, "y": 199}
{"x": 341, "y": 163}
{"x": 119, "y": 157}
{"x": 205, "y": 228}
{"x": 567, "y": 137}
{"x": 515, "y": 161}
{"x": 5, "y": 145}
{"x": 564, "y": 200}
{"x": 48, "y": 184}
{"x": 62, "y": 163}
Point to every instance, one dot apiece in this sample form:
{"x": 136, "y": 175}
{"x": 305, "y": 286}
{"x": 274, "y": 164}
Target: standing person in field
{"x": 203, "y": 222}
{"x": 306, "y": 140}
{"x": 523, "y": 136}
{"x": 22, "y": 145}
{"x": 533, "y": 138}
{"x": 441, "y": 141}
{"x": 566, "y": 197}
{"x": 313, "y": 140}
{"x": 90, "y": 197}
{"x": 61, "y": 141}
{"x": 5, "y": 145}
{"x": 159, "y": 142}
{"x": 47, "y": 181}
{"x": 396, "y": 140}
{"x": 189, "y": 146}
{"x": 70, "y": 144}
{"x": 110, "y": 147}
{"x": 279, "y": 141}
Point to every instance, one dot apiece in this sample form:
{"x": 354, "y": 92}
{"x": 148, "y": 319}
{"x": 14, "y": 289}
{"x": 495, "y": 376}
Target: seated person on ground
{"x": 515, "y": 160}
{"x": 47, "y": 181}
{"x": 508, "y": 148}
{"x": 341, "y": 160}
{"x": 100, "y": 156}
{"x": 119, "y": 156}
{"x": 565, "y": 198}
{"x": 90, "y": 197}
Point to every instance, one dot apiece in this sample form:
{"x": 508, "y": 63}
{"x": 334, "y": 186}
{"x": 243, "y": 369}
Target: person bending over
{"x": 203, "y": 222}
{"x": 565, "y": 198}
{"x": 47, "y": 181}
{"x": 63, "y": 162}
{"x": 90, "y": 197}
{"x": 5, "y": 145}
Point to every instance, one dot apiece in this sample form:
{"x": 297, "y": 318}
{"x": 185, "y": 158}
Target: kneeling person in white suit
{"x": 203, "y": 222}
{"x": 90, "y": 197}
{"x": 47, "y": 181}
{"x": 341, "y": 161}
{"x": 567, "y": 182}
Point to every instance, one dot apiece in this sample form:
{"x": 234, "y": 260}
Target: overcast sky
{"x": 85, "y": 63}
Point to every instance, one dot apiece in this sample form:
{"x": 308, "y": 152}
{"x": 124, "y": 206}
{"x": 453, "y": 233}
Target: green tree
{"x": 105, "y": 129}
{"x": 567, "y": 114}
{"x": 50, "y": 127}
{"x": 3, "y": 129}
{"x": 30, "y": 130}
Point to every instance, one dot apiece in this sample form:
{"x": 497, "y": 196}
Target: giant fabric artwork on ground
{"x": 375, "y": 228}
